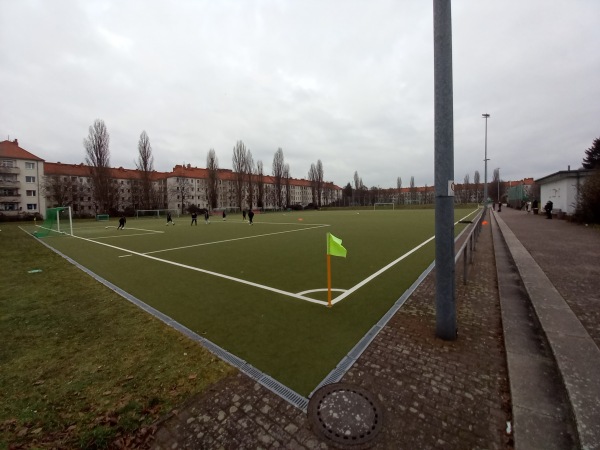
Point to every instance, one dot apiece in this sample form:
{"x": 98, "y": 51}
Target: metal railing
{"x": 467, "y": 249}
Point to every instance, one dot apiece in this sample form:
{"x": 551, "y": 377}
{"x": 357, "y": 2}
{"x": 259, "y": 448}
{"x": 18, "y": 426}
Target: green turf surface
{"x": 294, "y": 341}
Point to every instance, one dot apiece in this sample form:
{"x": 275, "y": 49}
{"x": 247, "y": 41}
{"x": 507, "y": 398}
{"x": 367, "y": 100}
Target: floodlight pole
{"x": 446, "y": 327}
{"x": 485, "y": 160}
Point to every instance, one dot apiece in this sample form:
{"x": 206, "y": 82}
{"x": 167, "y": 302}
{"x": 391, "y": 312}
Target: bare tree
{"x": 319, "y": 180}
{"x": 239, "y": 171}
{"x": 413, "y": 190}
{"x": 476, "y": 183}
{"x": 494, "y": 187}
{"x": 466, "y": 189}
{"x": 399, "y": 187}
{"x": 60, "y": 192}
{"x": 277, "y": 171}
{"x": 260, "y": 184}
{"x": 287, "y": 181}
{"x": 145, "y": 165}
{"x": 98, "y": 159}
{"x": 212, "y": 165}
{"x": 249, "y": 169}
{"x": 357, "y": 186}
{"x": 312, "y": 177}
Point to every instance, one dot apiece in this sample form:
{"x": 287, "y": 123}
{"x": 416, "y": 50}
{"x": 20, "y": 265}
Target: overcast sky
{"x": 344, "y": 81}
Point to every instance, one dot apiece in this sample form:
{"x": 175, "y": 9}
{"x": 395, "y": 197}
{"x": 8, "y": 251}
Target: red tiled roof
{"x": 11, "y": 149}
{"x": 82, "y": 170}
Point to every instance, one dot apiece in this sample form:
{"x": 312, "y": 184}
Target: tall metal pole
{"x": 485, "y": 187}
{"x": 444, "y": 172}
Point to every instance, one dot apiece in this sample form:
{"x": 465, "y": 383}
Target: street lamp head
{"x": 485, "y": 115}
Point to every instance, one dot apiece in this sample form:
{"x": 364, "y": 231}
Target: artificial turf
{"x": 294, "y": 341}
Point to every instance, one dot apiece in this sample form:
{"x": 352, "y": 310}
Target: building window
{"x": 29, "y": 165}
{"x": 30, "y": 193}
{"x": 7, "y": 163}
{"x": 31, "y": 206}
{"x": 30, "y": 179}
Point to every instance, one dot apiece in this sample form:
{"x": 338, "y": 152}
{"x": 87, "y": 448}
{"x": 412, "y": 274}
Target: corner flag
{"x": 334, "y": 246}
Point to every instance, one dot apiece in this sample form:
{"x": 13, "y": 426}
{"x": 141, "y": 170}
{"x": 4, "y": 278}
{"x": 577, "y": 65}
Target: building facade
{"x": 28, "y": 185}
{"x": 21, "y": 175}
{"x": 562, "y": 189}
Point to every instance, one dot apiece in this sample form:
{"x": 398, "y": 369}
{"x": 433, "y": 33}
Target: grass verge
{"x": 80, "y": 366}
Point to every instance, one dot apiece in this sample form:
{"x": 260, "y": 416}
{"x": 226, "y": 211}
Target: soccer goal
{"x": 102, "y": 217}
{"x": 381, "y": 206}
{"x": 56, "y": 222}
{"x": 156, "y": 213}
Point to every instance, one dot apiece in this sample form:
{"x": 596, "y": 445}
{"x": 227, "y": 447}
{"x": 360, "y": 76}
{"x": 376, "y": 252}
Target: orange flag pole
{"x": 328, "y": 280}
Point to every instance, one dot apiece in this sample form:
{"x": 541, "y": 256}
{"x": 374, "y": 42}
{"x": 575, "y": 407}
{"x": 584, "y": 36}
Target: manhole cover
{"x": 345, "y": 414}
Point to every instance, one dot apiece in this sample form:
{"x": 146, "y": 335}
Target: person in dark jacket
{"x": 548, "y": 209}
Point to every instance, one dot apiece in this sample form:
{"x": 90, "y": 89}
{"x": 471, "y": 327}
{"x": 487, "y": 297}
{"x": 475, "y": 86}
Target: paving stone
{"x": 435, "y": 394}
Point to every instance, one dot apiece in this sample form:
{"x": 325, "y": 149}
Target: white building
{"x": 21, "y": 175}
{"x": 562, "y": 189}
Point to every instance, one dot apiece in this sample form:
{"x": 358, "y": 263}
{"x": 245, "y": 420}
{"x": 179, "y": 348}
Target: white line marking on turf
{"x": 299, "y": 296}
{"x": 383, "y": 269}
{"x": 125, "y": 235}
{"x": 320, "y": 290}
{"x": 234, "y": 239}
{"x": 197, "y": 269}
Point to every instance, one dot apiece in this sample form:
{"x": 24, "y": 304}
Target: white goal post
{"x": 375, "y": 205}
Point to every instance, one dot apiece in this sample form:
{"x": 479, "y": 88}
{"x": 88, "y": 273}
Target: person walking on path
{"x": 534, "y": 206}
{"x": 169, "y": 219}
{"x": 206, "y": 217}
{"x": 250, "y": 217}
{"x": 548, "y": 209}
{"x": 122, "y": 221}
{"x": 194, "y": 218}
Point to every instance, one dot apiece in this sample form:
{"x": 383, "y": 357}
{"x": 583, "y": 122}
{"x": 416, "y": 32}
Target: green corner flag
{"x": 334, "y": 246}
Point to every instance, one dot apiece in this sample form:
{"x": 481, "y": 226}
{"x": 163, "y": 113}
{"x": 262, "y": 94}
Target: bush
{"x": 588, "y": 202}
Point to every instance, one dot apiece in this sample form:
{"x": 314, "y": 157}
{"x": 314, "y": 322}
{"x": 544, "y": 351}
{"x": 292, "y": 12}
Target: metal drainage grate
{"x": 346, "y": 415}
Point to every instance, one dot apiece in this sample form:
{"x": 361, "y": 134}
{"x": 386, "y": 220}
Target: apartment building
{"x": 28, "y": 184}
{"x": 21, "y": 176}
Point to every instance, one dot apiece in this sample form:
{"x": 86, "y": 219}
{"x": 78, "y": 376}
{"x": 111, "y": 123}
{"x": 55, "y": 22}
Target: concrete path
{"x": 574, "y": 352}
{"x": 433, "y": 393}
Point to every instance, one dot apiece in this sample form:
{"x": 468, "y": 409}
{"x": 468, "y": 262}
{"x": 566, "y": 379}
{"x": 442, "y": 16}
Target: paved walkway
{"x": 434, "y": 394}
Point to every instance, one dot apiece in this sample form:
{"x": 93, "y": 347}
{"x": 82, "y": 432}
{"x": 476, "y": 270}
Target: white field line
{"x": 216, "y": 274}
{"x": 383, "y": 269}
{"x": 299, "y": 296}
{"x": 146, "y": 233}
{"x": 235, "y": 239}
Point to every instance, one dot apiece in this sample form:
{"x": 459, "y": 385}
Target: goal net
{"x": 381, "y": 206}
{"x": 57, "y": 221}
{"x": 156, "y": 213}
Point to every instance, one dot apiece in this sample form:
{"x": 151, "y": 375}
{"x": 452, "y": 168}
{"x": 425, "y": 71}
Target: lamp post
{"x": 485, "y": 192}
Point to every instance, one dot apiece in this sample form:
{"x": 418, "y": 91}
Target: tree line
{"x": 249, "y": 183}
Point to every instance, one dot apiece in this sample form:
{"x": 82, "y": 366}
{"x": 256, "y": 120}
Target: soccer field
{"x": 260, "y": 291}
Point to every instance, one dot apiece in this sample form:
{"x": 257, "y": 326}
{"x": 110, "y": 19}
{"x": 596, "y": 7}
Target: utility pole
{"x": 485, "y": 160}
{"x": 445, "y": 302}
